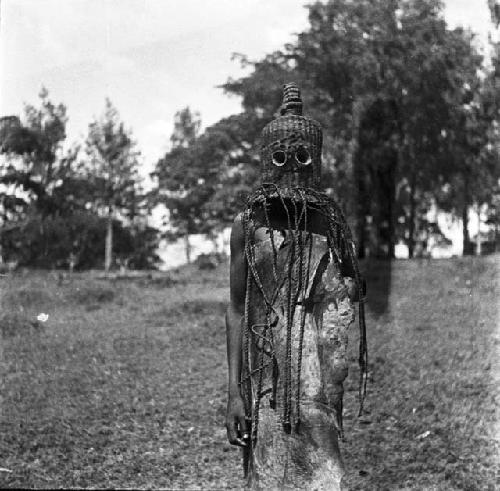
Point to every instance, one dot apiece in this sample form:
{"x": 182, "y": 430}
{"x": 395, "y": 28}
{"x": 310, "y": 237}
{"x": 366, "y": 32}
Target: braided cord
{"x": 304, "y": 290}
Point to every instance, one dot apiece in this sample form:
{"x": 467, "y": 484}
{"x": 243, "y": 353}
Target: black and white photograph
{"x": 250, "y": 245}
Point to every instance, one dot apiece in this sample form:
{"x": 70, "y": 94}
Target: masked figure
{"x": 294, "y": 278}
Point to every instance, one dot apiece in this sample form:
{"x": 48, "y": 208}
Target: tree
{"x": 33, "y": 162}
{"x": 186, "y": 128}
{"x": 113, "y": 172}
{"x": 489, "y": 189}
{"x": 182, "y": 180}
{"x": 204, "y": 183}
{"x": 35, "y": 175}
{"x": 494, "y": 7}
{"x": 388, "y": 81}
{"x": 473, "y": 142}
{"x": 394, "y": 75}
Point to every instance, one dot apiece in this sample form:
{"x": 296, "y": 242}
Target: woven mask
{"x": 291, "y": 145}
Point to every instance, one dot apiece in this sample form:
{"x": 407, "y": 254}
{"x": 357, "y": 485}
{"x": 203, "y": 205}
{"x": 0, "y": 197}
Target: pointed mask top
{"x": 292, "y": 102}
{"x": 290, "y": 152}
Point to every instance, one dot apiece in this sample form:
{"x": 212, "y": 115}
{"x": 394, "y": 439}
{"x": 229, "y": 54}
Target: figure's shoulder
{"x": 238, "y": 232}
{"x": 238, "y": 219}
{"x": 238, "y": 224}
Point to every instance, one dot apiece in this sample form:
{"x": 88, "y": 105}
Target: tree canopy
{"x": 403, "y": 102}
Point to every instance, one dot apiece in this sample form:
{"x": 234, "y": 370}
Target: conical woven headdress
{"x": 291, "y": 145}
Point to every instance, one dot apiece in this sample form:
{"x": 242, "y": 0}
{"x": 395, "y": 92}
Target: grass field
{"x": 124, "y": 384}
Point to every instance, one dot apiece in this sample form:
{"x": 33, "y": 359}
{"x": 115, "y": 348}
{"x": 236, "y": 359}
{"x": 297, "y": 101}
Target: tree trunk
{"x": 383, "y": 186}
{"x": 381, "y": 166}
{"x": 212, "y": 236}
{"x": 391, "y": 206}
{"x": 108, "y": 252}
{"x": 465, "y": 234}
{"x": 356, "y": 206}
{"x": 411, "y": 219}
{"x": 361, "y": 211}
{"x": 478, "y": 236}
{"x": 187, "y": 246}
{"x": 496, "y": 234}
{"x": 465, "y": 219}
{"x": 361, "y": 235}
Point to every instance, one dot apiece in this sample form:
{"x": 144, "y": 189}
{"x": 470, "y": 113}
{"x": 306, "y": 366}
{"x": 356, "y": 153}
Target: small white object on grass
{"x": 423, "y": 435}
{"x": 42, "y": 317}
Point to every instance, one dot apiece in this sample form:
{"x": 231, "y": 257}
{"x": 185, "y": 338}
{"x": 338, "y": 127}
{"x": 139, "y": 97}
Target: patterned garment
{"x": 295, "y": 367}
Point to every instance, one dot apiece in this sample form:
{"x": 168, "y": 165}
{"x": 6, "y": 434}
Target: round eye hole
{"x": 279, "y": 158}
{"x": 302, "y": 156}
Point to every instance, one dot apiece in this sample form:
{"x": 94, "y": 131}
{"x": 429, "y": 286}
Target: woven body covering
{"x": 294, "y": 369}
{"x": 298, "y": 251}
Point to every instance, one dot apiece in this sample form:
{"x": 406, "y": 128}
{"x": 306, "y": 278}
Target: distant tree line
{"x": 63, "y": 208}
{"x": 411, "y": 118}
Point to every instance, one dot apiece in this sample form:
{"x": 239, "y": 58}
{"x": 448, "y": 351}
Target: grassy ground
{"x": 124, "y": 384}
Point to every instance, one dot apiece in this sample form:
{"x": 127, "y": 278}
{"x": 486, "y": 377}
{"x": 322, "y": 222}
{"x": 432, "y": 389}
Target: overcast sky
{"x": 151, "y": 57}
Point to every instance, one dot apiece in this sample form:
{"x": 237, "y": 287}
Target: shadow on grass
{"x": 377, "y": 273}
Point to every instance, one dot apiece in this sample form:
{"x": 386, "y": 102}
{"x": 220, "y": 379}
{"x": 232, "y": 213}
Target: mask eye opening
{"x": 302, "y": 156}
{"x": 279, "y": 158}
